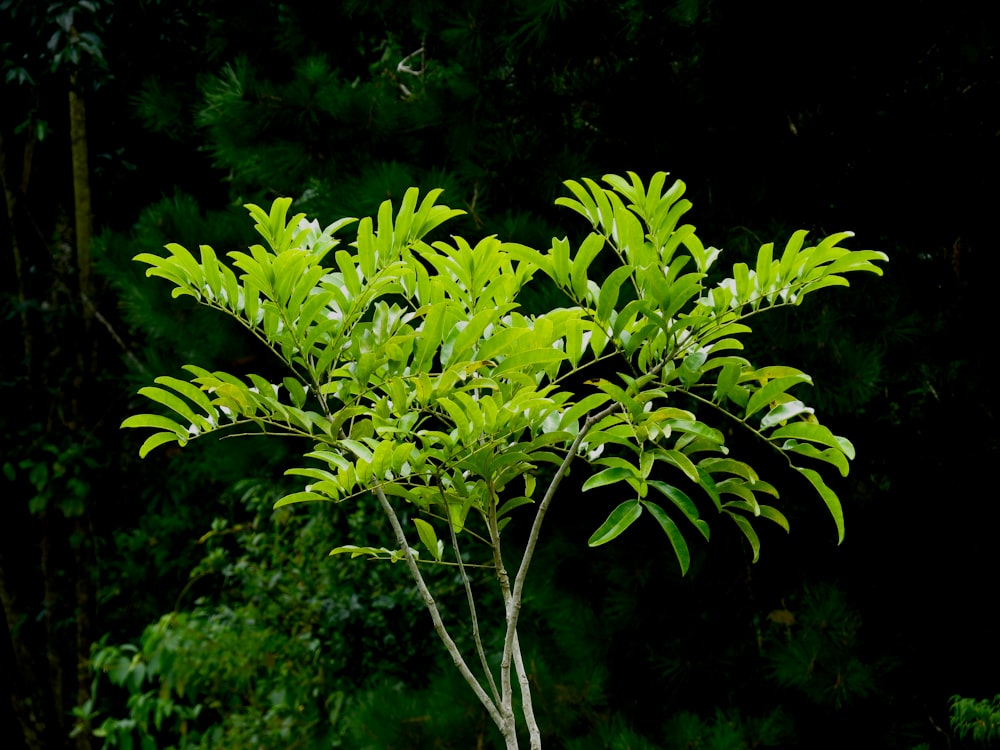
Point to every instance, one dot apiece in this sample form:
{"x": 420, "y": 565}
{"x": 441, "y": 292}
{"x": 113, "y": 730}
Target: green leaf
{"x": 192, "y": 392}
{"x": 296, "y": 391}
{"x": 514, "y": 502}
{"x": 160, "y": 423}
{"x": 171, "y": 401}
{"x": 829, "y": 497}
{"x": 156, "y": 440}
{"x": 301, "y": 497}
{"x": 610, "y": 291}
{"x": 831, "y": 455}
{"x": 681, "y": 461}
{"x": 591, "y": 246}
{"x": 749, "y": 533}
{"x": 729, "y": 375}
{"x": 428, "y": 537}
{"x": 773, "y": 514}
{"x": 673, "y": 533}
{"x": 791, "y": 254}
{"x": 611, "y": 476}
{"x": 684, "y": 503}
{"x": 529, "y": 360}
{"x": 771, "y": 391}
{"x": 620, "y": 519}
{"x": 784, "y": 412}
{"x": 816, "y": 433}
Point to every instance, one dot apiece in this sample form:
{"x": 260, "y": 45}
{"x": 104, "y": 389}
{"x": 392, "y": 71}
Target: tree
{"x": 419, "y": 380}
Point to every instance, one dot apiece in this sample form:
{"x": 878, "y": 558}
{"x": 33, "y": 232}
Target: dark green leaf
{"x": 673, "y": 533}
{"x": 620, "y": 519}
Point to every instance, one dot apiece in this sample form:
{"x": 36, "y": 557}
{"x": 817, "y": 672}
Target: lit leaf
{"x": 784, "y": 412}
{"x": 611, "y": 476}
{"x": 816, "y": 433}
{"x": 428, "y": 537}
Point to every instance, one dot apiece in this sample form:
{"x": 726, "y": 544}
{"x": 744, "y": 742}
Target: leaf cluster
{"x": 411, "y": 368}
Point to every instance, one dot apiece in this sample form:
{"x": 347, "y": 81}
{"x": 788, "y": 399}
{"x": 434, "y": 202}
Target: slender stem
{"x": 534, "y": 734}
{"x": 492, "y": 524}
{"x": 472, "y": 612}
{"x": 504, "y": 723}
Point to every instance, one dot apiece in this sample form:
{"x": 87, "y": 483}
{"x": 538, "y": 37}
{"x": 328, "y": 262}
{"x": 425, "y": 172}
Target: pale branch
{"x": 534, "y": 733}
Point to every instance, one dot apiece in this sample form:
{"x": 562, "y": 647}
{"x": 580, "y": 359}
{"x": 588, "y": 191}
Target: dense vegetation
{"x": 244, "y": 633}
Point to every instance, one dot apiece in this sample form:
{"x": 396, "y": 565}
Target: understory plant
{"x": 415, "y": 380}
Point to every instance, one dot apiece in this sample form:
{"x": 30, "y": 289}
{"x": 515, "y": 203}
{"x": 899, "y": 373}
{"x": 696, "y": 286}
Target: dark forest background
{"x": 162, "y": 603}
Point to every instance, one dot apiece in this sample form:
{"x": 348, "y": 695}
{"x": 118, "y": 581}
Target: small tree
{"x": 417, "y": 380}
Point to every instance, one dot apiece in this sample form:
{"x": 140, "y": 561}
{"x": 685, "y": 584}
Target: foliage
{"x": 814, "y": 649}
{"x": 978, "y": 719}
{"x": 728, "y": 730}
{"x": 415, "y": 377}
{"x": 273, "y": 648}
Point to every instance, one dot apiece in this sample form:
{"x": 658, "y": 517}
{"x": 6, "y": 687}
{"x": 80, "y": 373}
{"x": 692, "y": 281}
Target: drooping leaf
{"x": 620, "y": 519}
{"x": 815, "y": 433}
{"x": 673, "y": 533}
{"x": 784, "y": 412}
{"x": 829, "y": 497}
{"x": 749, "y": 533}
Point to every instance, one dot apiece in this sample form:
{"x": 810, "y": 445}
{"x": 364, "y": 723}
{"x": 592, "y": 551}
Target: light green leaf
{"x": 529, "y": 360}
{"x": 160, "y": 423}
{"x": 773, "y": 514}
{"x": 172, "y": 402}
{"x": 816, "y": 433}
{"x": 728, "y": 377}
{"x": 831, "y": 455}
{"x": 611, "y": 476}
{"x": 610, "y": 291}
{"x": 620, "y": 519}
{"x": 301, "y": 497}
{"x": 156, "y": 440}
{"x": 784, "y": 412}
{"x": 791, "y": 254}
{"x": 772, "y": 390}
{"x": 589, "y": 249}
{"x": 681, "y": 461}
{"x": 358, "y": 449}
{"x": 428, "y": 537}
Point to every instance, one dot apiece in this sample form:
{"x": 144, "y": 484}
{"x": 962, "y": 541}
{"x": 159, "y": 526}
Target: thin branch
{"x": 456, "y": 656}
{"x": 472, "y": 612}
{"x": 534, "y": 733}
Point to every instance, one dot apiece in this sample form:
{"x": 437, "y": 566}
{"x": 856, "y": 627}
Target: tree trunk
{"x": 84, "y": 226}
{"x": 87, "y": 356}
